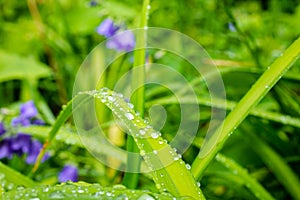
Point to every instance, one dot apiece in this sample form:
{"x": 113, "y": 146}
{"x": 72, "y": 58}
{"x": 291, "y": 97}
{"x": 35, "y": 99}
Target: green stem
{"x": 131, "y": 179}
{"x": 253, "y": 96}
{"x": 248, "y": 180}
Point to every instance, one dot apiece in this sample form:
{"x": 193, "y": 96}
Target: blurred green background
{"x": 44, "y": 42}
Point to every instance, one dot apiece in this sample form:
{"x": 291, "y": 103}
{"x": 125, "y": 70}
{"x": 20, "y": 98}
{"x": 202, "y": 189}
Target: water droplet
{"x": 110, "y": 98}
{"x": 119, "y": 187}
{"x": 56, "y": 195}
{"x": 188, "y": 166}
{"x": 142, "y": 132}
{"x": 155, "y": 152}
{"x": 198, "y": 184}
{"x": 148, "y": 7}
{"x": 176, "y": 158}
{"x": 46, "y": 189}
{"x": 129, "y": 116}
{"x": 142, "y": 153}
{"x": 146, "y": 197}
{"x": 80, "y": 191}
{"x": 154, "y": 135}
{"x": 145, "y": 27}
{"x": 160, "y": 142}
{"x": 130, "y": 105}
{"x": 108, "y": 194}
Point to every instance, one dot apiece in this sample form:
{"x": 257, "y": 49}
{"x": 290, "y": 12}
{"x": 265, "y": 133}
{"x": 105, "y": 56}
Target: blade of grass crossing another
{"x": 170, "y": 173}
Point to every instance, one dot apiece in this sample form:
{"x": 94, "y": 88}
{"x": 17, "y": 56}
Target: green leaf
{"x": 14, "y": 177}
{"x": 13, "y": 66}
{"x": 82, "y": 190}
{"x": 170, "y": 173}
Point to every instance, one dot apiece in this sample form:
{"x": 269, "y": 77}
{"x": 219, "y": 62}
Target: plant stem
{"x": 253, "y": 96}
{"x": 138, "y": 73}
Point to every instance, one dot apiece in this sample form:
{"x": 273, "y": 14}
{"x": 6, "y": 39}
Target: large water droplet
{"x": 146, "y": 197}
{"x": 119, "y": 187}
{"x": 130, "y": 105}
{"x": 110, "y": 98}
{"x": 129, "y": 116}
{"x": 142, "y": 132}
{"x": 154, "y": 135}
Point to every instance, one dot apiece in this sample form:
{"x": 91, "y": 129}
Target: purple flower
{"x": 122, "y": 42}
{"x": 68, "y": 173}
{"x": 107, "y": 28}
{"x": 21, "y": 143}
{"x": 34, "y": 151}
{"x": 38, "y": 122}
{"x": 5, "y": 148}
{"x": 20, "y": 120}
{"x": 2, "y": 129}
{"x": 93, "y": 3}
{"x": 28, "y": 110}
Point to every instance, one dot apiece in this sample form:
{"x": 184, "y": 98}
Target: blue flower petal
{"x": 2, "y": 129}
{"x": 124, "y": 41}
{"x": 28, "y": 110}
{"x": 107, "y": 28}
{"x": 68, "y": 173}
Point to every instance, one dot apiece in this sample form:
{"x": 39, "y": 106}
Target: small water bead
{"x": 108, "y": 194}
{"x": 149, "y": 7}
{"x": 142, "y": 152}
{"x": 160, "y": 142}
{"x": 176, "y": 158}
{"x": 155, "y": 152}
{"x": 188, "y": 166}
{"x": 129, "y": 116}
{"x": 154, "y": 135}
{"x": 130, "y": 105}
{"x": 120, "y": 95}
{"x": 142, "y": 132}
{"x": 145, "y": 27}
{"x": 103, "y": 100}
{"x": 80, "y": 191}
{"x": 198, "y": 184}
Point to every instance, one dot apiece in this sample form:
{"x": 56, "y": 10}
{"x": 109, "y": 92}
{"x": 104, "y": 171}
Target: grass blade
{"x": 263, "y": 85}
{"x": 170, "y": 173}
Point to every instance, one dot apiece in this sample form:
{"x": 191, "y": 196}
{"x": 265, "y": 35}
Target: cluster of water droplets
{"x": 85, "y": 191}
{"x": 6, "y": 185}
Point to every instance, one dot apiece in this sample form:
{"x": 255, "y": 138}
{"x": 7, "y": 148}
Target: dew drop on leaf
{"x": 129, "y": 116}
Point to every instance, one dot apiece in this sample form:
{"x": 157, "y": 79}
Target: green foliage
{"x": 82, "y": 190}
{"x": 43, "y": 43}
